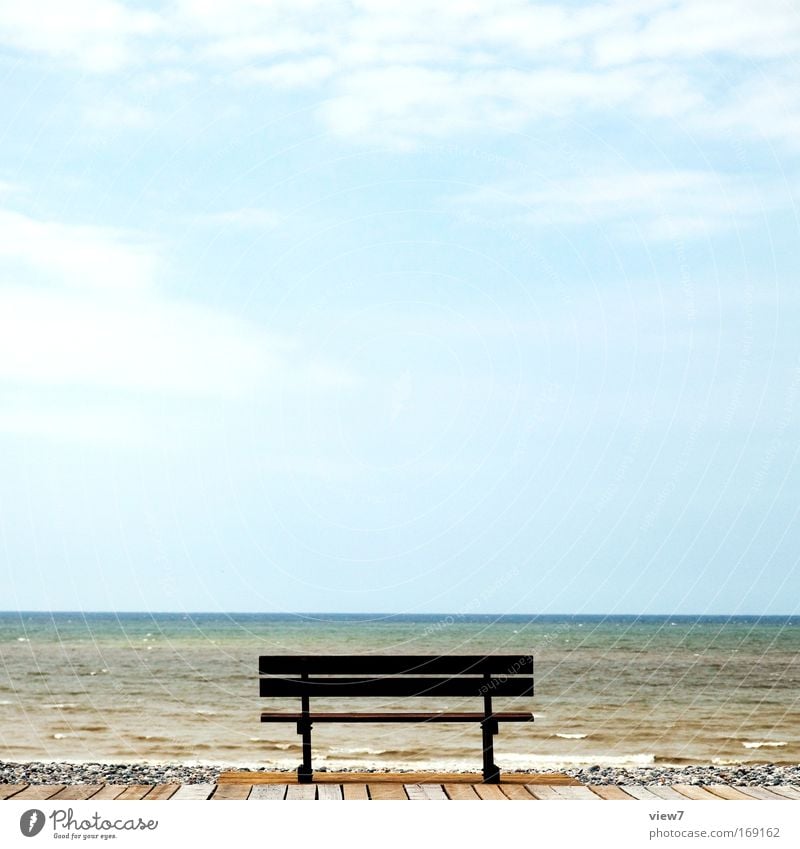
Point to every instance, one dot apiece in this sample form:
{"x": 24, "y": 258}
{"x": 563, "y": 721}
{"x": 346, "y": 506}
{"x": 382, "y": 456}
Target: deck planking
{"x": 516, "y": 792}
{"x": 610, "y": 792}
{"x": 399, "y": 789}
{"x": 39, "y": 791}
{"x": 112, "y": 791}
{"x": 461, "y": 792}
{"x": 320, "y": 777}
{"x": 193, "y": 792}
{"x": 763, "y": 793}
{"x": 355, "y": 792}
{"x": 725, "y": 791}
{"x": 9, "y": 790}
{"x": 693, "y": 791}
{"x": 77, "y": 792}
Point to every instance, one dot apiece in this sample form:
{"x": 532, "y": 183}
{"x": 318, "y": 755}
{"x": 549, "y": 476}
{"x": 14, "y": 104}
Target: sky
{"x": 412, "y": 307}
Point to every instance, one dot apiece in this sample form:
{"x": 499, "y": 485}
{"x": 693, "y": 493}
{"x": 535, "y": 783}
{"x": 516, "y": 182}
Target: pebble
{"x": 763, "y": 775}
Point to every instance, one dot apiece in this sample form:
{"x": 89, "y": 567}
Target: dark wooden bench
{"x": 397, "y": 677}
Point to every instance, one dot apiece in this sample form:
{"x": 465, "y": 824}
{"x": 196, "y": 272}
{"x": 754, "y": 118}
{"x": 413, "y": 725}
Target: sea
{"x": 610, "y": 690}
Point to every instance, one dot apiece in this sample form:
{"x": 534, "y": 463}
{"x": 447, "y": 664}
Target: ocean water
{"x": 609, "y": 690}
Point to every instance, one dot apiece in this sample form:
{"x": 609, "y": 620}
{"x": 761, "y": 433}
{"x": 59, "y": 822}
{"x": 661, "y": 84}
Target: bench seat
{"x": 508, "y": 716}
{"x": 396, "y": 677}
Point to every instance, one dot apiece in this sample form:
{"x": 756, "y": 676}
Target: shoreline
{"x": 60, "y": 772}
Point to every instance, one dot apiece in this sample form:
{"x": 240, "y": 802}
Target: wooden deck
{"x": 398, "y": 788}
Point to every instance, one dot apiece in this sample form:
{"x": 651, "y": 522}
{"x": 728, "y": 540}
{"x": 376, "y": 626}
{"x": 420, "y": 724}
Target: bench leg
{"x": 491, "y": 772}
{"x": 305, "y": 773}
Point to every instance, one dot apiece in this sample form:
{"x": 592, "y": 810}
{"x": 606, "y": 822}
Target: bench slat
{"x": 501, "y": 664}
{"x": 508, "y": 716}
{"x": 400, "y": 687}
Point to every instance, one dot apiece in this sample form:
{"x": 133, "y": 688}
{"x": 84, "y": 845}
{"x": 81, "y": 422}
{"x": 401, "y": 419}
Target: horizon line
{"x": 452, "y": 614}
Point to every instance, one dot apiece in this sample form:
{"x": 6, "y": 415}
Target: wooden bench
{"x": 396, "y": 677}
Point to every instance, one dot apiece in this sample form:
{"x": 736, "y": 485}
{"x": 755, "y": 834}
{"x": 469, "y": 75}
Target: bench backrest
{"x": 394, "y": 676}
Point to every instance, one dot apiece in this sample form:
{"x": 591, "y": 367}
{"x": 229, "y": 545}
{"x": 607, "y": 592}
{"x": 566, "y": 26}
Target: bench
{"x": 397, "y": 677}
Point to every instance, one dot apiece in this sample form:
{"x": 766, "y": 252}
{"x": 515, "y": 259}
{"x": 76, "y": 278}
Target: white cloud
{"x": 56, "y": 338}
{"x": 766, "y": 109}
{"x": 97, "y": 35}
{"x": 654, "y": 204}
{"x": 84, "y": 313}
{"x": 295, "y": 74}
{"x": 702, "y": 28}
{"x": 406, "y": 103}
{"x": 76, "y": 255}
{"x": 404, "y": 72}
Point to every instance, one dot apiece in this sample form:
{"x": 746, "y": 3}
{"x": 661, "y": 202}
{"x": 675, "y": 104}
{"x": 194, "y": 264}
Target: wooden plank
{"x": 192, "y": 792}
{"x": 461, "y": 792}
{"x": 549, "y": 778}
{"x": 435, "y": 792}
{"x": 228, "y": 792}
{"x": 384, "y": 790}
{"x": 516, "y": 792}
{"x": 400, "y": 687}
{"x": 692, "y": 791}
{"x": 788, "y": 790}
{"x": 290, "y": 777}
{"x": 395, "y": 716}
{"x": 109, "y": 791}
{"x": 761, "y": 793}
{"x": 610, "y": 791}
{"x": 638, "y": 791}
{"x": 135, "y": 791}
{"x": 576, "y": 793}
{"x": 543, "y": 792}
{"x": 9, "y": 790}
{"x": 78, "y": 791}
{"x": 39, "y": 791}
{"x": 270, "y": 792}
{"x": 329, "y": 792}
{"x": 416, "y": 793}
{"x": 162, "y": 791}
{"x": 664, "y": 792}
{"x": 408, "y": 664}
{"x": 297, "y": 792}
{"x": 354, "y": 792}
{"x": 490, "y": 792}
{"x": 724, "y": 791}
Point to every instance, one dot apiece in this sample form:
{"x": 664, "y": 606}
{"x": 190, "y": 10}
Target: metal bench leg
{"x": 489, "y": 727}
{"x": 305, "y": 773}
{"x": 491, "y": 772}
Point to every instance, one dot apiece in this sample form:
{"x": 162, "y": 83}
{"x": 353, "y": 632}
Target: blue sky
{"x": 469, "y": 307}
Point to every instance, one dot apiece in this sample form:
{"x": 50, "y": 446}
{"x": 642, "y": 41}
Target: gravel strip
{"x": 138, "y": 773}
{"x": 761, "y": 775}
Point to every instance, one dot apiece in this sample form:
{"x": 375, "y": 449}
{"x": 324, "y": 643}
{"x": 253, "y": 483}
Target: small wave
{"x": 23, "y": 640}
{"x": 61, "y": 706}
{"x": 59, "y": 736}
{"x": 572, "y": 736}
{"x": 359, "y": 752}
{"x": 204, "y": 712}
{"x": 6, "y": 702}
{"x": 765, "y": 744}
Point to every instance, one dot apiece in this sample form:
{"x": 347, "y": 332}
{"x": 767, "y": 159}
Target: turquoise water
{"x": 616, "y": 690}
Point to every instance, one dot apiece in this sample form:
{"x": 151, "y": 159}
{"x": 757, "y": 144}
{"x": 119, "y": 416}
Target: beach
{"x": 124, "y": 694}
